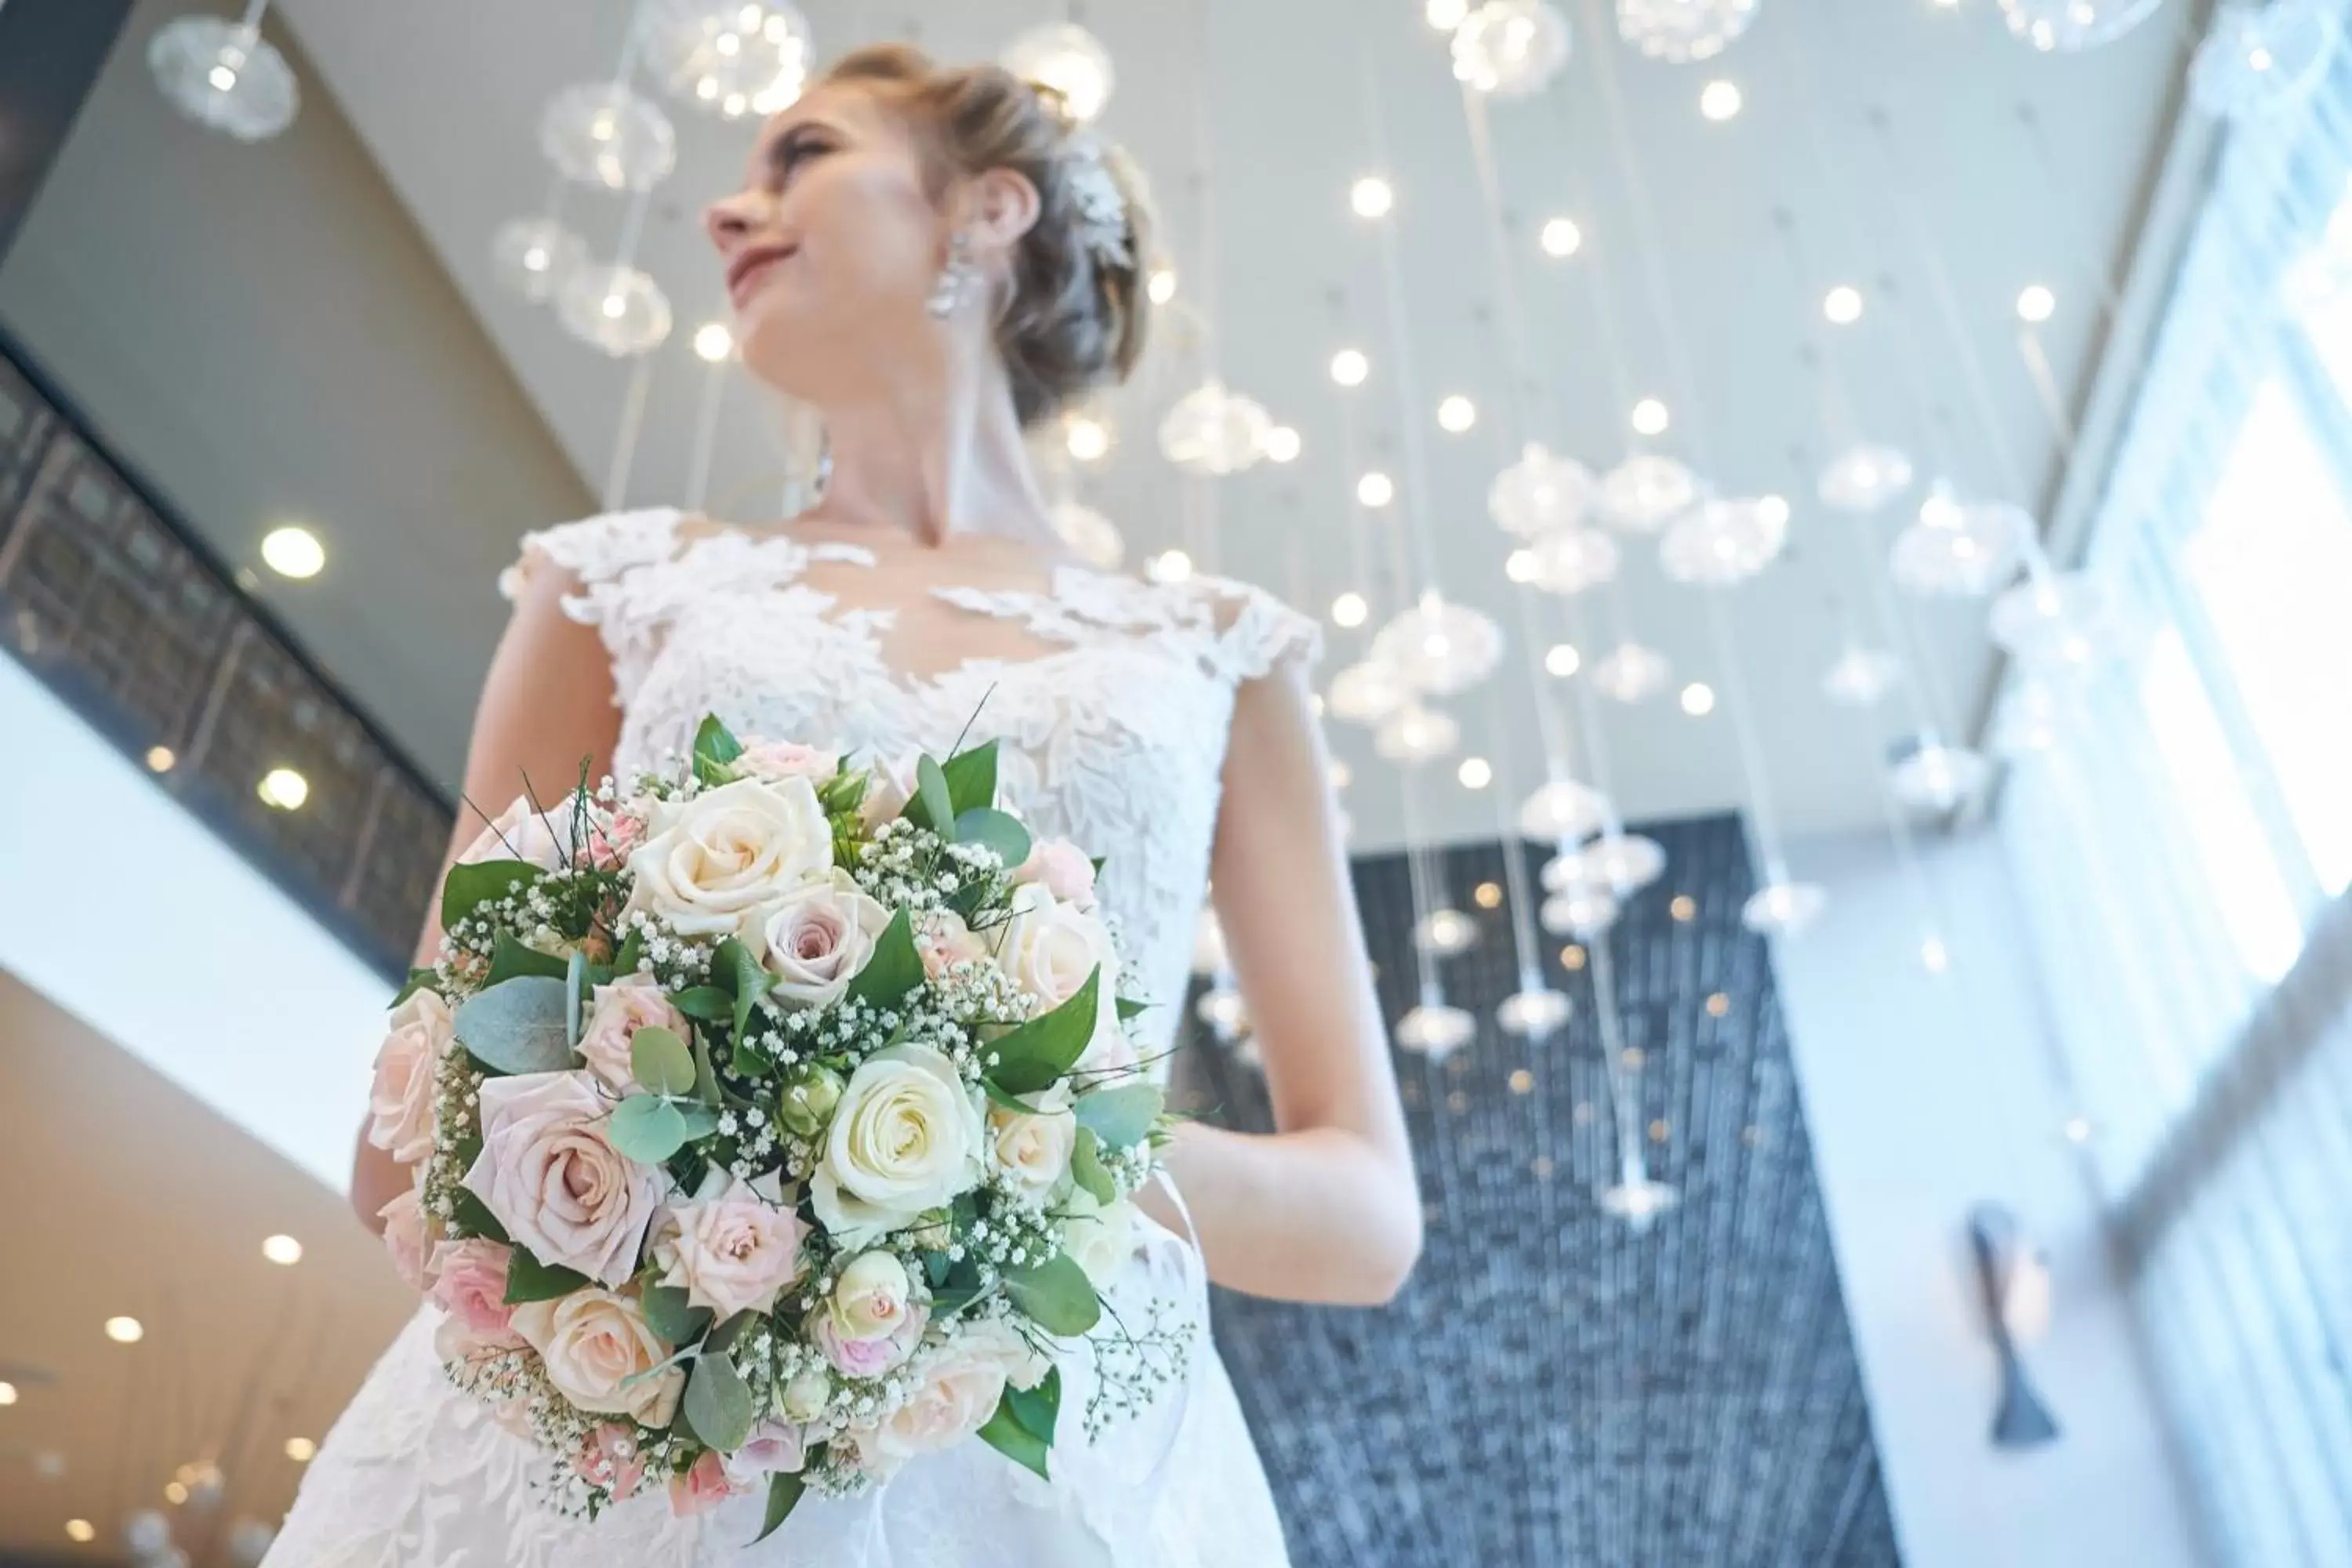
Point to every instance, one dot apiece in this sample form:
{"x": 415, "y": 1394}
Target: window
{"x": 2270, "y": 563}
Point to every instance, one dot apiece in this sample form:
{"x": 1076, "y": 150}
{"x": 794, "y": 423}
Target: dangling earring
{"x": 949, "y": 291}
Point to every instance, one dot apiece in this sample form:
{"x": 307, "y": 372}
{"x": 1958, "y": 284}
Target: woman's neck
{"x": 935, "y": 454}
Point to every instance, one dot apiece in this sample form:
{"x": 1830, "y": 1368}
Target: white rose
{"x": 525, "y": 832}
{"x": 818, "y": 936}
{"x": 1048, "y": 948}
{"x": 869, "y": 1300}
{"x": 906, "y": 1136}
{"x": 804, "y": 1396}
{"x": 961, "y": 1389}
{"x": 1025, "y": 1365}
{"x": 710, "y": 864}
{"x": 1100, "y": 1240}
{"x": 592, "y": 1342}
{"x": 1033, "y": 1148}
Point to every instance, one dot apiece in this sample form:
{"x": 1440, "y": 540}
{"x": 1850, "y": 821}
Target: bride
{"x": 936, "y": 261}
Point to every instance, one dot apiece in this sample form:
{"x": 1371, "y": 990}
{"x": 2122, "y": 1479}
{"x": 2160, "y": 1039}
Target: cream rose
{"x": 400, "y": 1098}
{"x": 616, "y": 1012}
{"x": 818, "y": 937}
{"x": 889, "y": 785}
{"x": 709, "y": 864}
{"x": 524, "y": 832}
{"x": 958, "y": 1394}
{"x": 1033, "y": 1149}
{"x": 732, "y": 1252}
{"x": 1048, "y": 948}
{"x": 944, "y": 940}
{"x": 871, "y": 1298}
{"x": 1024, "y": 1365}
{"x": 592, "y": 1342}
{"x": 1098, "y": 1239}
{"x": 548, "y": 1173}
{"x": 906, "y": 1136}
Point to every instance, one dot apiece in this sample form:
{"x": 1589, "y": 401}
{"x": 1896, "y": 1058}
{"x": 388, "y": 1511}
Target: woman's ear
{"x": 1003, "y": 207}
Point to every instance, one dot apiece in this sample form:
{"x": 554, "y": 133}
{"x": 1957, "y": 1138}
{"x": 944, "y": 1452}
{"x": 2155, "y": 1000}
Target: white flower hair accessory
{"x": 1102, "y": 205}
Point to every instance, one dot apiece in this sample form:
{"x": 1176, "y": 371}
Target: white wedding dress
{"x": 1112, "y": 730}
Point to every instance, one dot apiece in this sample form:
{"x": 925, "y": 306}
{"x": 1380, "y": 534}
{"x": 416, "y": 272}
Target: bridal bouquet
{"x": 771, "y": 1122}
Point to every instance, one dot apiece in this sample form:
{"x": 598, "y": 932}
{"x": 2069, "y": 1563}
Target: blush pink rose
{"x": 702, "y": 1488}
{"x": 611, "y": 1459}
{"x": 609, "y": 846}
{"x": 524, "y": 832}
{"x": 469, "y": 1282}
{"x": 870, "y": 1357}
{"x": 616, "y": 1012}
{"x": 944, "y": 940}
{"x": 599, "y": 1352}
{"x": 548, "y": 1173}
{"x": 959, "y": 1392}
{"x": 1063, "y": 868}
{"x": 405, "y": 1238}
{"x": 785, "y": 759}
{"x": 818, "y": 937}
{"x": 400, "y": 1098}
{"x": 774, "y": 1447}
{"x": 734, "y": 1252}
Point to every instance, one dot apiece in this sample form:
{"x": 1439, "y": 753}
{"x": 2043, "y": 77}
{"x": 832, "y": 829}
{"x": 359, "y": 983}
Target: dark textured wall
{"x": 1552, "y": 1388}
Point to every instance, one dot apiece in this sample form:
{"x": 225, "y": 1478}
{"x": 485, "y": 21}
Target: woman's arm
{"x": 1327, "y": 1208}
{"x": 546, "y": 705}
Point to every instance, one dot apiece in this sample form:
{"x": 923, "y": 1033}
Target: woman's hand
{"x": 1326, "y": 1208}
{"x": 546, "y": 705}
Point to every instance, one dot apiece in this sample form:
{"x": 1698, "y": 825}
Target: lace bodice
{"x": 1111, "y": 725}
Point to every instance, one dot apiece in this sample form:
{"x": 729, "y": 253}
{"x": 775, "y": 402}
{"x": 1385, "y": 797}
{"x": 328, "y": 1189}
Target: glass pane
{"x": 2249, "y": 894}
{"x": 2272, "y": 562}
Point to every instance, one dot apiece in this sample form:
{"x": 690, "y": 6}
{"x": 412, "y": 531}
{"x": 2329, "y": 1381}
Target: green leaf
{"x": 633, "y": 952}
{"x": 516, "y": 1025}
{"x": 706, "y": 1077}
{"x": 1086, "y": 1169}
{"x": 509, "y": 958}
{"x": 659, "y": 1061}
{"x": 1011, "y": 1102}
{"x": 646, "y": 1129}
{"x": 932, "y": 806}
{"x": 418, "y": 980}
{"x": 474, "y": 1216}
{"x": 718, "y": 1405}
{"x": 670, "y": 1315}
{"x": 1121, "y": 1117}
{"x": 706, "y": 1003}
{"x": 1130, "y": 1008}
{"x": 1006, "y": 1434}
{"x": 467, "y": 886}
{"x": 1057, "y": 1297}
{"x": 721, "y": 1339}
{"x": 739, "y": 973}
{"x": 1033, "y": 1055}
{"x": 785, "y": 1490}
{"x": 715, "y": 750}
{"x": 895, "y": 968}
{"x": 1037, "y": 1409}
{"x": 1096, "y": 862}
{"x": 701, "y": 1120}
{"x": 1000, "y": 832}
{"x": 529, "y": 1279}
{"x": 970, "y": 778}
{"x": 842, "y": 793}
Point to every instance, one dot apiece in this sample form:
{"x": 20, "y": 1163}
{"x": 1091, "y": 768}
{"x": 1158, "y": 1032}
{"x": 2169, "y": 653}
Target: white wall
{"x": 1925, "y": 1095}
{"x": 126, "y": 911}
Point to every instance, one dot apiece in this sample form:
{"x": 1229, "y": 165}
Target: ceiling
{"x": 164, "y": 1226}
{"x": 1253, "y": 120}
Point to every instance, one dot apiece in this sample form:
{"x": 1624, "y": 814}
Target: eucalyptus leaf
{"x": 669, "y": 1314}
{"x": 1006, "y": 1434}
{"x": 1056, "y": 1296}
{"x": 574, "y": 973}
{"x": 646, "y": 1129}
{"x": 699, "y": 1121}
{"x": 529, "y": 1279}
{"x": 1033, "y": 1055}
{"x": 706, "y": 1003}
{"x": 721, "y": 1339}
{"x": 660, "y": 1062}
{"x": 1087, "y": 1168}
{"x": 931, "y": 806}
{"x": 516, "y": 1025}
{"x": 784, "y": 1490}
{"x": 894, "y": 968}
{"x": 970, "y": 778}
{"x": 467, "y": 886}
{"x": 717, "y": 1406}
{"x": 706, "y": 1077}
{"x": 986, "y": 826}
{"x": 1121, "y": 1117}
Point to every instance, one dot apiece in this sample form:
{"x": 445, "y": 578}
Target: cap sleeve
{"x": 596, "y": 551}
{"x": 1258, "y": 633}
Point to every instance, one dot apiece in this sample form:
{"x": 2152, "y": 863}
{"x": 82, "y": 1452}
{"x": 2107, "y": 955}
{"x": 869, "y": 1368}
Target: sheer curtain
{"x": 2184, "y": 839}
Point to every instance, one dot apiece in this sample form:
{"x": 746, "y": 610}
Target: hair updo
{"x": 1071, "y": 320}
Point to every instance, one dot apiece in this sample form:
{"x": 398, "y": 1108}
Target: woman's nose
{"x": 727, "y": 221}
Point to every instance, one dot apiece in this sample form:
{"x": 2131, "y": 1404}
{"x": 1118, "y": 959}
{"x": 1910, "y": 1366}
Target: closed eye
{"x": 793, "y": 150}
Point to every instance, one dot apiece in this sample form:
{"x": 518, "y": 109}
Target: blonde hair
{"x": 1072, "y": 320}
